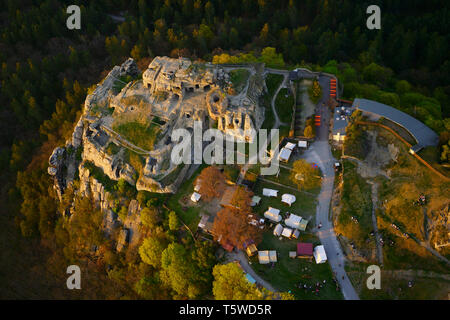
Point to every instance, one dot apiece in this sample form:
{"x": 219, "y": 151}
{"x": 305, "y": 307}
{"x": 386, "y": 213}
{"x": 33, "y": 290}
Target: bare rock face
{"x": 129, "y": 67}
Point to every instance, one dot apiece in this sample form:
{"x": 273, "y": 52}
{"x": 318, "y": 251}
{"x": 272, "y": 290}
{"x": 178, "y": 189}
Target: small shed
{"x": 293, "y": 221}
{"x": 290, "y": 146}
{"x": 303, "y": 224}
{"x": 273, "y": 256}
{"x": 196, "y": 197}
{"x": 304, "y": 250}
{"x": 263, "y": 257}
{"x": 251, "y": 250}
{"x": 270, "y": 192}
{"x": 287, "y": 198}
{"x": 273, "y": 214}
{"x": 319, "y": 254}
{"x": 255, "y": 201}
{"x": 287, "y": 232}
{"x": 284, "y": 155}
{"x": 250, "y": 278}
{"x": 278, "y": 230}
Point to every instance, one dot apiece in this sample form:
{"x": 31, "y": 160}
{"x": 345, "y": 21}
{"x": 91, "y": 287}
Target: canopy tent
{"x": 270, "y": 192}
{"x": 293, "y": 221}
{"x": 250, "y": 278}
{"x": 292, "y": 254}
{"x": 296, "y": 234}
{"x": 303, "y": 144}
{"x": 278, "y": 230}
{"x": 284, "y": 155}
{"x": 304, "y": 250}
{"x": 319, "y": 254}
{"x": 273, "y": 256}
{"x": 251, "y": 250}
{"x": 197, "y": 185}
{"x": 287, "y": 232}
{"x": 273, "y": 214}
{"x": 196, "y": 197}
{"x": 288, "y": 198}
{"x": 255, "y": 201}
{"x": 303, "y": 224}
{"x": 290, "y": 146}
{"x": 263, "y": 257}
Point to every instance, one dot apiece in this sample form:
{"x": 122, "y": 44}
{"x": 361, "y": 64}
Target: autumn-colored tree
{"x": 242, "y": 199}
{"x": 304, "y": 175}
{"x": 232, "y": 226}
{"x": 151, "y": 251}
{"x": 231, "y": 284}
{"x": 212, "y": 183}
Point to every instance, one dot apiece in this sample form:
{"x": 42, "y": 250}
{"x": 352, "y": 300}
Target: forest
{"x": 47, "y": 70}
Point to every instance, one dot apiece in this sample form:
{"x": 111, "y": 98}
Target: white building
{"x": 273, "y": 214}
{"x": 319, "y": 254}
{"x": 288, "y": 198}
{"x": 270, "y": 192}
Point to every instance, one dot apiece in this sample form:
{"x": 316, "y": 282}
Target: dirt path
{"x": 374, "y": 222}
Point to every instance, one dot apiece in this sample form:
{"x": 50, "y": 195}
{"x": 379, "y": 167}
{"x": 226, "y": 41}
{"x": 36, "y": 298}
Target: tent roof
{"x": 270, "y": 192}
{"x": 250, "y": 278}
{"x": 293, "y": 221}
{"x": 290, "y": 146}
{"x": 273, "y": 256}
{"x": 288, "y": 198}
{"x": 319, "y": 254}
{"x": 196, "y": 196}
{"x": 255, "y": 200}
{"x": 263, "y": 257}
{"x": 273, "y": 214}
{"x": 303, "y": 144}
{"x": 285, "y": 154}
{"x": 303, "y": 224}
{"x": 278, "y": 230}
{"x": 304, "y": 249}
{"x": 287, "y": 232}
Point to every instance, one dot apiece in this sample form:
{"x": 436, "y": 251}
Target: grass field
{"x": 284, "y": 104}
{"x": 238, "y": 78}
{"x": 142, "y": 135}
{"x": 288, "y": 273}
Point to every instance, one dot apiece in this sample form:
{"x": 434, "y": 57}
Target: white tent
{"x": 296, "y": 234}
{"x": 288, "y": 198}
{"x": 196, "y": 197}
{"x": 303, "y": 144}
{"x": 290, "y": 146}
{"x": 263, "y": 257}
{"x": 197, "y": 185}
{"x": 270, "y": 192}
{"x": 287, "y": 232}
{"x": 255, "y": 201}
{"x": 278, "y": 230}
{"x": 273, "y": 256}
{"x": 319, "y": 254}
{"x": 273, "y": 214}
{"x": 293, "y": 221}
{"x": 284, "y": 155}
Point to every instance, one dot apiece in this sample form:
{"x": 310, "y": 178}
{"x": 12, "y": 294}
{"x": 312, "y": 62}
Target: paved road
{"x": 242, "y": 258}
{"x": 320, "y": 153}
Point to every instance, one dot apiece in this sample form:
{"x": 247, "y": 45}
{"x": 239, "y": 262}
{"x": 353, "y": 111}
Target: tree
{"x": 178, "y": 271}
{"x": 304, "y": 175}
{"x": 174, "y": 223}
{"x": 150, "y": 217}
{"x": 230, "y": 284}
{"x": 232, "y": 226}
{"x": 212, "y": 183}
{"x": 151, "y": 251}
